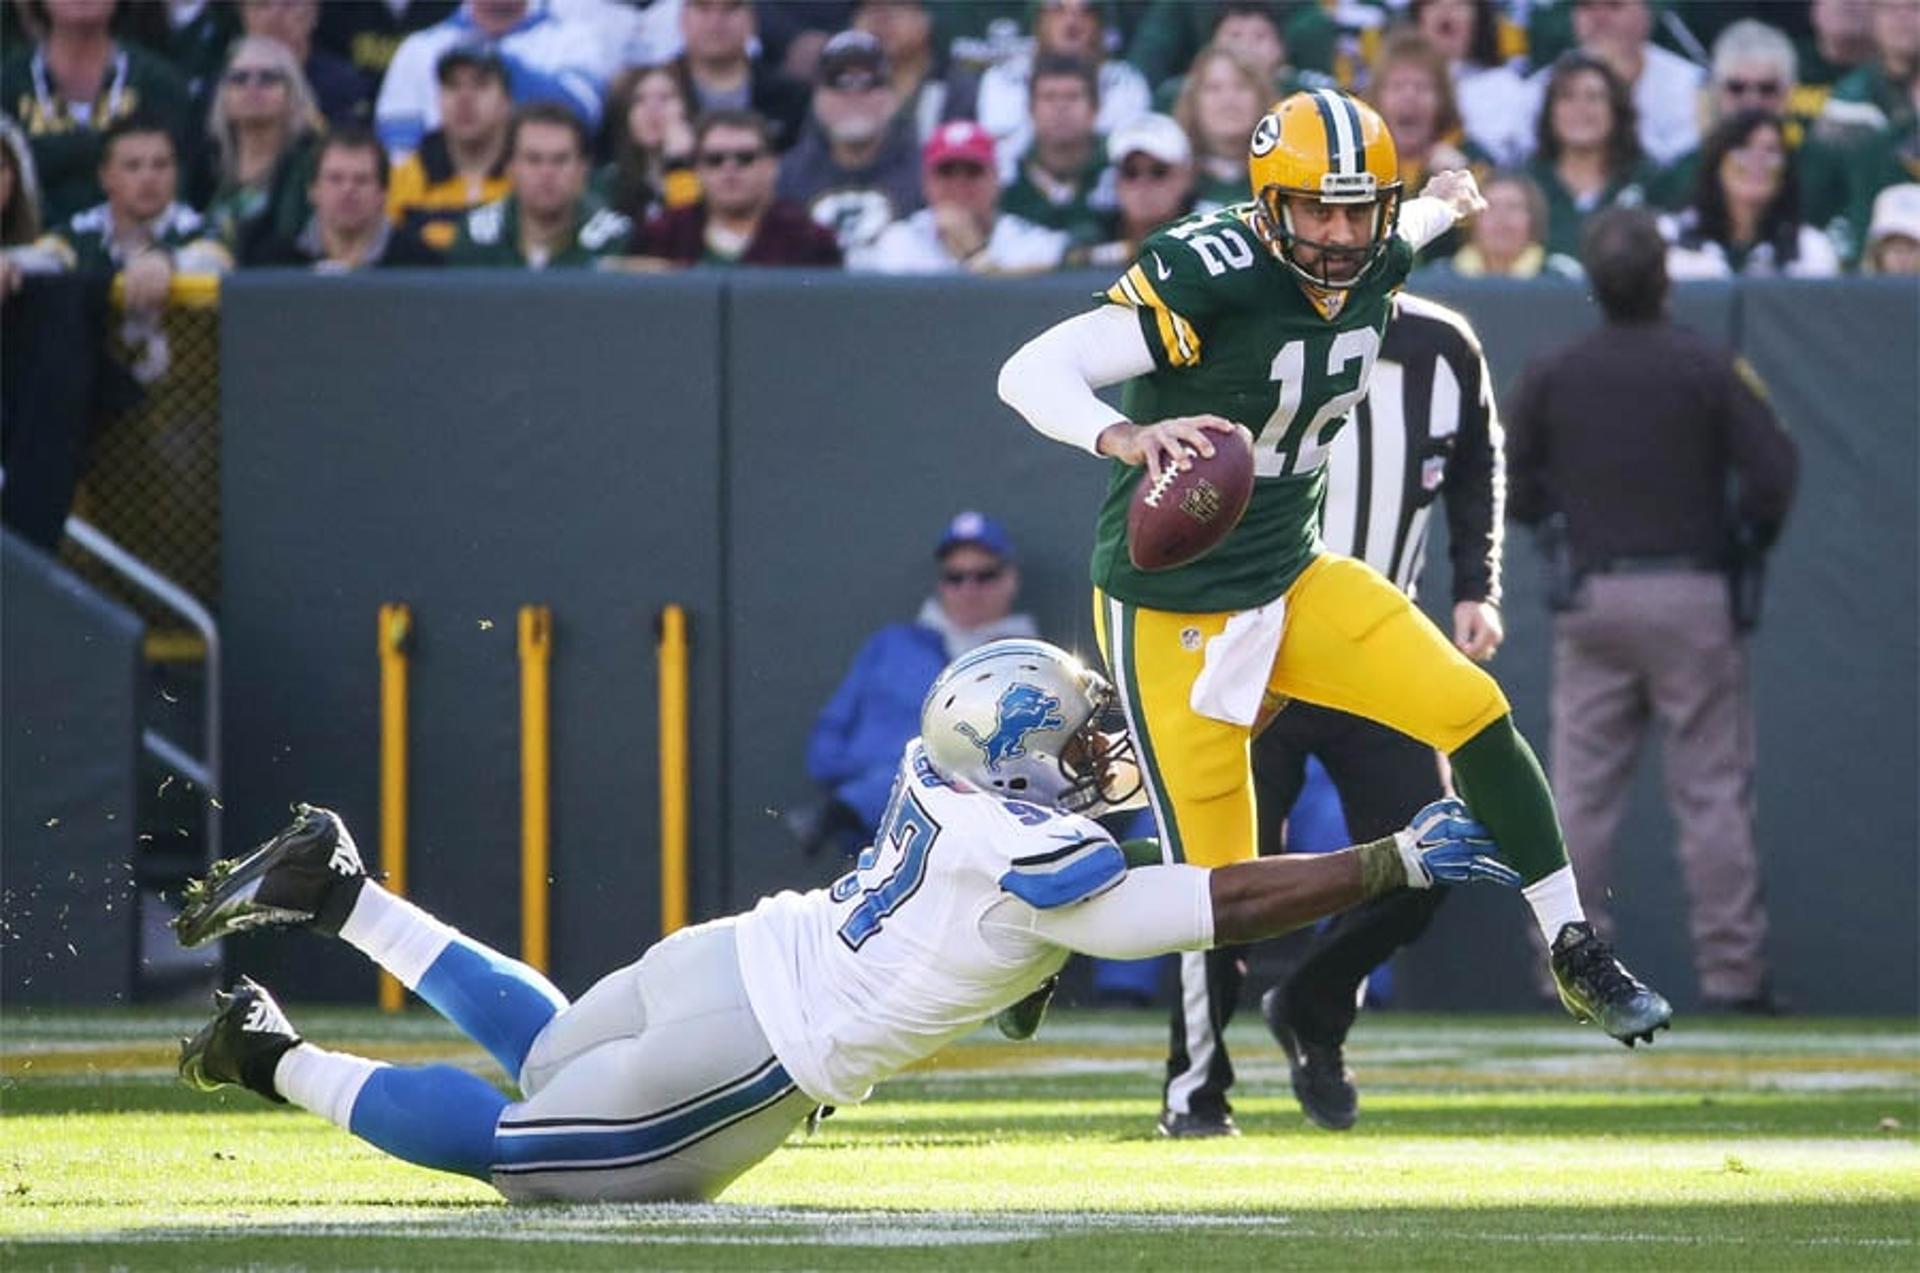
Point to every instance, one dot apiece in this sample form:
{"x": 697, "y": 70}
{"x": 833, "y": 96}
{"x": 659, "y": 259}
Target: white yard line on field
{"x": 718, "y": 1225}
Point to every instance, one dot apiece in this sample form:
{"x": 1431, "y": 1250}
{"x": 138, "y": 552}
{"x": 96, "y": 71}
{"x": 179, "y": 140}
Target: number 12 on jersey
{"x": 1287, "y": 445}
{"x": 898, "y": 857}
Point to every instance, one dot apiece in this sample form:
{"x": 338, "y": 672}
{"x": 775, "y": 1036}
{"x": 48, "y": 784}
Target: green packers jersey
{"x": 65, "y": 136}
{"x": 490, "y": 235}
{"x": 1078, "y": 207}
{"x": 86, "y": 243}
{"x": 1234, "y": 333}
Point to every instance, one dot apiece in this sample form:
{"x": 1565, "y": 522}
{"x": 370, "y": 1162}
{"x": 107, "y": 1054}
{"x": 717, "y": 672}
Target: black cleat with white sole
{"x": 241, "y": 1045}
{"x": 1594, "y": 986}
{"x": 1196, "y": 1126}
{"x": 308, "y": 876}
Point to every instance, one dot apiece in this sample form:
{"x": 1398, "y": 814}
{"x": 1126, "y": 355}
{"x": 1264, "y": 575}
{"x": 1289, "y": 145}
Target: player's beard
{"x": 1336, "y": 267}
{"x": 1274, "y": 229}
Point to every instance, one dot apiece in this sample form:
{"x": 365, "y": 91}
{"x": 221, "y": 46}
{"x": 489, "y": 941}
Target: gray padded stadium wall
{"x": 840, "y": 483}
{"x": 468, "y": 447}
{"x": 70, "y": 675}
{"x": 779, "y": 452}
{"x": 1838, "y": 657}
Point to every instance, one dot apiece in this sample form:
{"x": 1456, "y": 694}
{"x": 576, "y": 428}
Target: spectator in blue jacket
{"x": 548, "y": 59}
{"x": 856, "y": 742}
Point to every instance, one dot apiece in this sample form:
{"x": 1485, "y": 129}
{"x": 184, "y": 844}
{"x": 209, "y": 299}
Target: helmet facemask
{"x": 1273, "y": 222}
{"x": 1099, "y": 763}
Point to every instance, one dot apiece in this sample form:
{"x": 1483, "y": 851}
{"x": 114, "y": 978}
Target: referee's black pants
{"x": 1383, "y": 778}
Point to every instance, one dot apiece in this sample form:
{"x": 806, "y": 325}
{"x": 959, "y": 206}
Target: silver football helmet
{"x": 1026, "y": 720}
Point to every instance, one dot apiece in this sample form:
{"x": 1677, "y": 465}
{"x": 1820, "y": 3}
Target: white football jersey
{"x": 854, "y": 982}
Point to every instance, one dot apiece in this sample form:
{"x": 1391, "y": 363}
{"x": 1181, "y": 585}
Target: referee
{"x": 1427, "y": 427}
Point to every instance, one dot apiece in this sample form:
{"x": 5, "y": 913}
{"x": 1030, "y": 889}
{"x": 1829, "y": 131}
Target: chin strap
{"x": 1328, "y": 297}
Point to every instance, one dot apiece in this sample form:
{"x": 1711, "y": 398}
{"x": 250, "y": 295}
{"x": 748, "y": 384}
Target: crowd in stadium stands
{"x": 155, "y": 137}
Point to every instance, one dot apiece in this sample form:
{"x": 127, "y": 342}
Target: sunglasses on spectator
{"x": 1145, "y": 172}
{"x": 264, "y": 76}
{"x": 986, "y": 574}
{"x": 959, "y": 168}
{"x": 730, "y": 158}
{"x": 1759, "y": 88}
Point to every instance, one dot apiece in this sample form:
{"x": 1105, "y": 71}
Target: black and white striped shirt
{"x": 1428, "y": 424}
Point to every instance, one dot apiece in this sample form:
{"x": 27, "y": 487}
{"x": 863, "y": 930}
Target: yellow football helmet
{"x": 1327, "y": 146}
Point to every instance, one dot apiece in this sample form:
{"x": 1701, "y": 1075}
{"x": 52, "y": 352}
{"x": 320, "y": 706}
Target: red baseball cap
{"x": 962, "y": 139}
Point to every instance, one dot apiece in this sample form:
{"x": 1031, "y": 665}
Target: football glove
{"x": 1444, "y": 845}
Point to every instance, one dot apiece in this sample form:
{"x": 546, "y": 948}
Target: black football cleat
{"x": 1321, "y": 1081}
{"x": 241, "y": 1045}
{"x": 308, "y": 876}
{"x": 1595, "y": 987}
{"x": 1021, "y": 1021}
{"x": 1196, "y": 1126}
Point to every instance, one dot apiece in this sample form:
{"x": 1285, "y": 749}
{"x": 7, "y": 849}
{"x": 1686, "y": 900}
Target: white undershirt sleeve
{"x": 1153, "y": 910}
{"x": 1423, "y": 220}
{"x": 1050, "y": 380}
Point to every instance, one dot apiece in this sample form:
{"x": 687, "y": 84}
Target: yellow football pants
{"x": 1351, "y": 641}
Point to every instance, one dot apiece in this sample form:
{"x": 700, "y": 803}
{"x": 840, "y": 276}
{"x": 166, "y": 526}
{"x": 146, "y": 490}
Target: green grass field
{"x": 1492, "y": 1142}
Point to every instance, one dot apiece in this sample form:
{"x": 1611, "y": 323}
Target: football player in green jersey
{"x": 1267, "y": 316}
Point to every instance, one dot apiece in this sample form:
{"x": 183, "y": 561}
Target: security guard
{"x": 1624, "y": 447}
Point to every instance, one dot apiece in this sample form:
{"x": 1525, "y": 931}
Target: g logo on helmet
{"x": 1266, "y": 135}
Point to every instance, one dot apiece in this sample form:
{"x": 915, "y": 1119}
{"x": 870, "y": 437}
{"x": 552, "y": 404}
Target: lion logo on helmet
{"x": 1022, "y": 710}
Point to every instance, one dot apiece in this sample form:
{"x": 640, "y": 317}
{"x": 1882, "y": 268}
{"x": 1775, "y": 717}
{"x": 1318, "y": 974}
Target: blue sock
{"x": 499, "y": 1003}
{"x": 433, "y": 1115}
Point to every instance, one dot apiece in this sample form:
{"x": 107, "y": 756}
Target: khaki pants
{"x": 1661, "y": 647}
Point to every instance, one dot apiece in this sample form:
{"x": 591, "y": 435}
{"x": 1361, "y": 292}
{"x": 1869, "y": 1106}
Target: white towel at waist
{"x": 1238, "y": 663}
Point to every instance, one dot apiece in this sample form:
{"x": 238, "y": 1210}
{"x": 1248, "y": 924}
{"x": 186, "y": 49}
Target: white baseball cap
{"x": 1150, "y": 134}
{"x": 1896, "y": 210}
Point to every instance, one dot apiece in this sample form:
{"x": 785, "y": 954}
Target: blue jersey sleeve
{"x": 1070, "y": 873}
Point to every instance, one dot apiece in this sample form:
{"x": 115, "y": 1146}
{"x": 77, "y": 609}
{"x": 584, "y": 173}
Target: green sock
{"x": 1501, "y": 780}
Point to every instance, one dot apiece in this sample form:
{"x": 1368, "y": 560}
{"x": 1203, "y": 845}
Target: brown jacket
{"x": 1632, "y": 433}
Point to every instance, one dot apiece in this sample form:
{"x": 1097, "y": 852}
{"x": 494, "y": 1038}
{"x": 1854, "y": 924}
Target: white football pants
{"x": 657, "y": 1084}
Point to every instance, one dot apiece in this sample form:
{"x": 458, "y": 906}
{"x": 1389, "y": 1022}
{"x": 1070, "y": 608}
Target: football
{"x": 1181, "y": 517}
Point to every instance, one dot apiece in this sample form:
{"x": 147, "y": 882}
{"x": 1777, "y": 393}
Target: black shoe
{"x": 1595, "y": 987}
{"x": 307, "y": 876}
{"x": 1322, "y": 1083}
{"x": 241, "y": 1045}
{"x": 1194, "y": 1126}
{"x": 1022, "y": 1020}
